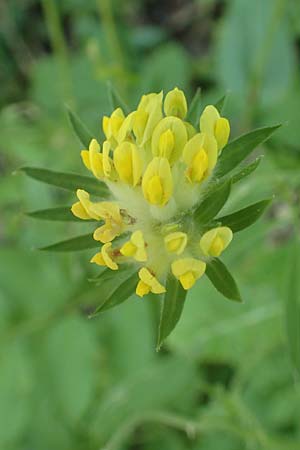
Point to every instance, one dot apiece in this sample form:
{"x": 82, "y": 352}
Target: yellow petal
{"x": 85, "y": 156}
{"x": 79, "y": 211}
{"x": 98, "y": 259}
{"x": 105, "y": 252}
{"x": 176, "y": 242}
{"x": 142, "y": 289}
{"x": 215, "y": 241}
{"x": 187, "y": 280}
{"x": 151, "y": 281}
{"x": 128, "y": 163}
{"x": 222, "y": 131}
{"x": 178, "y": 129}
{"x": 208, "y": 119}
{"x": 157, "y": 183}
{"x": 188, "y": 270}
{"x": 175, "y": 104}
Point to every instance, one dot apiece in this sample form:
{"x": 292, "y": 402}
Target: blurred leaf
{"x": 213, "y": 202}
{"x": 166, "y": 67}
{"x": 238, "y": 149}
{"x": 16, "y": 389}
{"x": 222, "y": 280}
{"x": 220, "y": 104}
{"x": 75, "y": 244}
{"x": 193, "y": 114}
{"x": 292, "y": 307}
{"x": 172, "y": 306}
{"x": 246, "y": 170}
{"x": 119, "y": 294}
{"x": 81, "y": 131}
{"x": 70, "y": 355}
{"x": 248, "y": 51}
{"x": 68, "y": 181}
{"x": 116, "y": 100}
{"x": 245, "y": 217}
{"x": 61, "y": 213}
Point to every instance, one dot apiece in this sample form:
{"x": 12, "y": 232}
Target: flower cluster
{"x": 156, "y": 165}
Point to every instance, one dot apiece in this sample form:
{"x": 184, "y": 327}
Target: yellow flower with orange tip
{"x": 105, "y": 257}
{"x": 135, "y": 247}
{"x": 213, "y": 124}
{"x": 215, "y": 241}
{"x": 148, "y": 283}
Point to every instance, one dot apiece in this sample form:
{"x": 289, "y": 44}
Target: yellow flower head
{"x": 213, "y": 124}
{"x": 104, "y": 258}
{"x": 135, "y": 247}
{"x": 157, "y": 182}
{"x": 188, "y": 270}
{"x": 148, "y": 283}
{"x": 154, "y": 163}
{"x": 215, "y": 241}
{"x": 175, "y": 104}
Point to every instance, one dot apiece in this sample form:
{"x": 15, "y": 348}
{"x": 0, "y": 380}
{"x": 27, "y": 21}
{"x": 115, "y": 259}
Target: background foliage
{"x": 226, "y": 378}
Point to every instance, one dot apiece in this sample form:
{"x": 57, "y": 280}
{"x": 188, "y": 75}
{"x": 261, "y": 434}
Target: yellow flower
{"x": 85, "y": 209}
{"x": 128, "y": 163}
{"x": 168, "y": 138}
{"x": 212, "y": 123}
{"x": 111, "y": 125}
{"x": 157, "y": 182}
{"x": 176, "y": 242}
{"x": 113, "y": 226}
{"x": 135, "y": 247}
{"x": 125, "y": 131}
{"x": 200, "y": 155}
{"x": 148, "y": 283}
{"x": 93, "y": 159}
{"x": 175, "y": 104}
{"x": 104, "y": 258}
{"x": 215, "y": 241}
{"x": 148, "y": 114}
{"x": 188, "y": 270}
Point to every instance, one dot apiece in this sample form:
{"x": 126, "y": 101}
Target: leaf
{"x": 121, "y": 293}
{"x": 222, "y": 280}
{"x": 83, "y": 242}
{"x": 81, "y": 131}
{"x": 238, "y": 149}
{"x": 194, "y": 109}
{"x": 220, "y": 104}
{"x": 245, "y": 217}
{"x": 292, "y": 308}
{"x": 61, "y": 213}
{"x": 115, "y": 99}
{"x": 107, "y": 274}
{"x": 68, "y": 181}
{"x": 213, "y": 202}
{"x": 172, "y": 306}
{"x": 247, "y": 170}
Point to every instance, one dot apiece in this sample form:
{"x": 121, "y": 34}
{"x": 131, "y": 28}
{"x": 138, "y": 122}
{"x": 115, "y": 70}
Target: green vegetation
{"x": 227, "y": 378}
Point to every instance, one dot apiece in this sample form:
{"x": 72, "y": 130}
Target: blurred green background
{"x": 224, "y": 380}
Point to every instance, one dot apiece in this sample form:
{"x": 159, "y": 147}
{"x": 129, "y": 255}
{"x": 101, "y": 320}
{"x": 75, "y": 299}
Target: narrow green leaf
{"x": 222, "y": 280}
{"x": 172, "y": 306}
{"x": 292, "y": 307}
{"x": 239, "y": 220}
{"x": 121, "y": 293}
{"x": 107, "y": 274}
{"x": 247, "y": 170}
{"x": 220, "y": 104}
{"x": 81, "y": 131}
{"x": 75, "y": 244}
{"x": 213, "y": 202}
{"x": 238, "y": 149}
{"x": 194, "y": 109}
{"x": 61, "y": 213}
{"x": 115, "y": 99}
{"x": 68, "y": 181}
